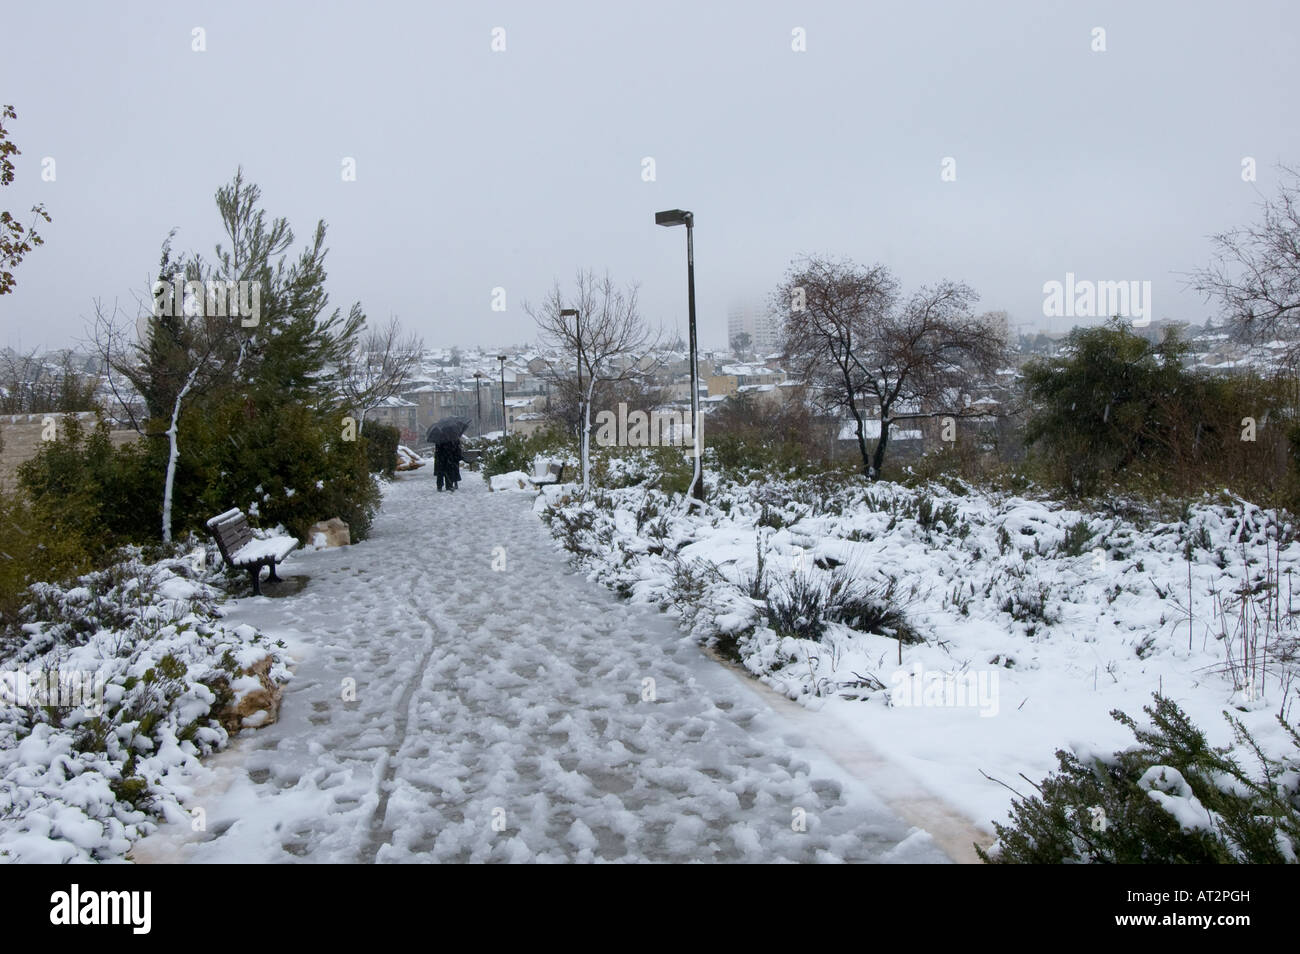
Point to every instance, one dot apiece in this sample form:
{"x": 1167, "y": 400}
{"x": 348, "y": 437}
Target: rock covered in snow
{"x": 256, "y": 700}
{"x": 329, "y": 533}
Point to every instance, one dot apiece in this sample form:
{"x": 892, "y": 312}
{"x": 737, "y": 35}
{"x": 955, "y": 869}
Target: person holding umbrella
{"x": 447, "y": 453}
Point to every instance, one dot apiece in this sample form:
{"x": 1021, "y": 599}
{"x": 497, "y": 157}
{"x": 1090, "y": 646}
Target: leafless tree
{"x": 863, "y": 349}
{"x": 1255, "y": 272}
{"x": 113, "y": 341}
{"x": 643, "y": 392}
{"x": 606, "y": 342}
{"x": 378, "y": 366}
{"x": 36, "y": 383}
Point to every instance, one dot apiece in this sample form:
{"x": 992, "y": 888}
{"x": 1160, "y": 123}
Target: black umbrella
{"x": 448, "y": 429}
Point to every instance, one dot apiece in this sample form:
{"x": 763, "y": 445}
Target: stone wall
{"x": 21, "y": 434}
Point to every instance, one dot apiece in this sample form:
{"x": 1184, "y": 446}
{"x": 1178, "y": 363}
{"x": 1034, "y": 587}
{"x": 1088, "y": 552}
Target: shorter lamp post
{"x": 504, "y": 429}
{"x": 478, "y": 400}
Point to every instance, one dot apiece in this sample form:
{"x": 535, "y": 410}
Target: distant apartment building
{"x": 399, "y": 413}
{"x": 751, "y": 316}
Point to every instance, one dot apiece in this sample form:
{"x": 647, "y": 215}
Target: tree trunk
{"x": 173, "y": 456}
{"x": 862, "y": 437}
{"x": 879, "y": 459}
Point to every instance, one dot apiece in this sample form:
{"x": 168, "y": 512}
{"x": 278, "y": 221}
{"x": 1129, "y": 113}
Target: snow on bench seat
{"x": 276, "y": 548}
{"x": 546, "y": 472}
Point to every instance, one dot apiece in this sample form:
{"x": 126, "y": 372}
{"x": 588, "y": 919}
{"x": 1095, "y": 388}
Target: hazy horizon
{"x": 479, "y": 169}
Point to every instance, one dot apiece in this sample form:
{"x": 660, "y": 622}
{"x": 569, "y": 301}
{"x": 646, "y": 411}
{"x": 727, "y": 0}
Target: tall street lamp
{"x": 670, "y": 218}
{"x": 504, "y": 430}
{"x": 478, "y": 400}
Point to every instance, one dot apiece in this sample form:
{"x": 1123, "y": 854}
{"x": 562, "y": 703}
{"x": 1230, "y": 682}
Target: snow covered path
{"x": 499, "y": 716}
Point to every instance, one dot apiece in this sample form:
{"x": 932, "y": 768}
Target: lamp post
{"x": 504, "y": 430}
{"x": 668, "y": 219}
{"x": 478, "y": 400}
{"x": 582, "y": 423}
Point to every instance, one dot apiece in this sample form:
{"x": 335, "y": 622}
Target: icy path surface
{"x": 499, "y": 717}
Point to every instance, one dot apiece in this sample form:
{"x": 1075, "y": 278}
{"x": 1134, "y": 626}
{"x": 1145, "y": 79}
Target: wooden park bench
{"x": 553, "y": 473}
{"x": 242, "y": 551}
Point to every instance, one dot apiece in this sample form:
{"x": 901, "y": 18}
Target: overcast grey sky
{"x": 477, "y": 169}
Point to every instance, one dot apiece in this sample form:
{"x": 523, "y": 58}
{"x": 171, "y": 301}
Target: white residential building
{"x": 751, "y": 316}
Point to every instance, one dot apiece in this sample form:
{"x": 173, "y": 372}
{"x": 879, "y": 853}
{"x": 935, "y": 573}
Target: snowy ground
{"x": 508, "y": 715}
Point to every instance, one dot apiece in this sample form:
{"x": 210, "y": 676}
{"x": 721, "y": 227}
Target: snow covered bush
{"x": 1170, "y": 799}
{"x": 752, "y": 575}
{"x": 667, "y": 469}
{"x": 516, "y": 452}
{"x": 81, "y": 781}
{"x": 804, "y": 603}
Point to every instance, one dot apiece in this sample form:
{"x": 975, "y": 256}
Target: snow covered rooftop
{"x": 871, "y": 430}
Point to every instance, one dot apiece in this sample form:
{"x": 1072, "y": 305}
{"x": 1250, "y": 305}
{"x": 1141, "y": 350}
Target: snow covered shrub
{"x": 875, "y": 609}
{"x": 648, "y": 510}
{"x": 666, "y": 469}
{"x": 756, "y": 584}
{"x": 573, "y": 526}
{"x": 116, "y": 598}
{"x": 797, "y": 607}
{"x": 931, "y": 515}
{"x": 803, "y": 605}
{"x": 1030, "y": 603}
{"x": 518, "y": 451}
{"x": 1077, "y": 539}
{"x": 770, "y": 517}
{"x": 688, "y": 586}
{"x": 1171, "y": 799}
{"x": 84, "y": 487}
{"x": 80, "y": 781}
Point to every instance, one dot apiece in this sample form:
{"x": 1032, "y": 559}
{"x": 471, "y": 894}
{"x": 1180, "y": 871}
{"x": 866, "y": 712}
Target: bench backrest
{"x": 232, "y": 531}
{"x": 554, "y": 469}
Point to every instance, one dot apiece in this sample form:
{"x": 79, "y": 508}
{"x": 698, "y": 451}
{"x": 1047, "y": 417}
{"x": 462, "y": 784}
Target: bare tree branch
{"x": 378, "y": 366}
{"x": 851, "y": 338}
{"x": 608, "y": 341}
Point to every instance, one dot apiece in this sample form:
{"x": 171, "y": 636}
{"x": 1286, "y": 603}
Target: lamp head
{"x": 671, "y": 217}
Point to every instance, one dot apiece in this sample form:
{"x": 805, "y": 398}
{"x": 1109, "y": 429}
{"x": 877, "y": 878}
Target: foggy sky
{"x": 478, "y": 169}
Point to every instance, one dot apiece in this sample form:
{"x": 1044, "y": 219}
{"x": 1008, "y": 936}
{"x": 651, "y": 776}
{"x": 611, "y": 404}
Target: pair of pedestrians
{"x": 447, "y": 453}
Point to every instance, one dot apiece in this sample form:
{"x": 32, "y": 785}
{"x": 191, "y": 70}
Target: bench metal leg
{"x": 272, "y": 578}
{"x": 256, "y": 573}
